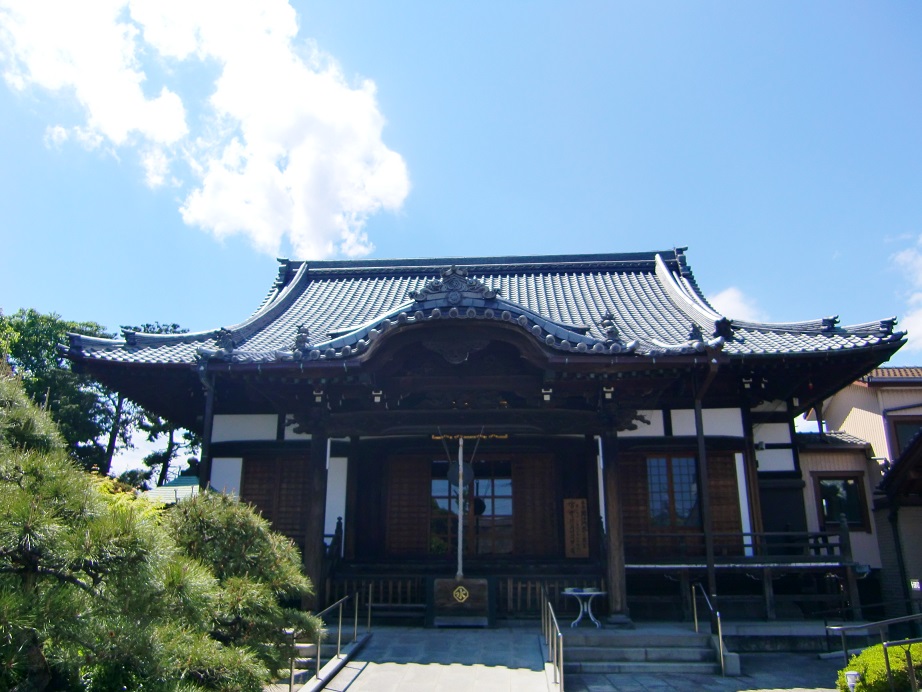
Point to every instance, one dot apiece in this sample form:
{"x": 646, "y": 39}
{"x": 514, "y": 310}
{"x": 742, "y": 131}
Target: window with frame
{"x": 672, "y": 491}
{"x": 903, "y": 429}
{"x": 487, "y": 510}
{"x": 838, "y": 494}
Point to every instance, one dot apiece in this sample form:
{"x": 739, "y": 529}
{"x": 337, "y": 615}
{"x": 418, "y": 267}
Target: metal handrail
{"x": 551, "y": 632}
{"x": 715, "y": 614}
{"x": 320, "y": 632}
{"x": 879, "y": 625}
{"x": 911, "y": 670}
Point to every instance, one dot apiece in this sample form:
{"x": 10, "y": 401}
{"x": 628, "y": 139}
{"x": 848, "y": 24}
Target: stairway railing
{"x": 715, "y": 617}
{"x": 321, "y": 632}
{"x": 553, "y": 637}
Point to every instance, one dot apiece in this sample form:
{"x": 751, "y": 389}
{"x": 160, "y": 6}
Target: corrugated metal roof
{"x": 644, "y": 304}
{"x": 179, "y": 488}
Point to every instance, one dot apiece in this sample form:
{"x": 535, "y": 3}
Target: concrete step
{"x": 604, "y": 667}
{"x": 636, "y": 639}
{"x": 639, "y": 655}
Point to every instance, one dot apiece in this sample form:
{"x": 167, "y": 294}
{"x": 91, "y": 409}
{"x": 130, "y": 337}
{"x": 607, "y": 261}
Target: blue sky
{"x": 156, "y": 155}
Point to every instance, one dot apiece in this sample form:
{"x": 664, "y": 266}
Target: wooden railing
{"x": 766, "y": 547}
{"x": 516, "y": 595}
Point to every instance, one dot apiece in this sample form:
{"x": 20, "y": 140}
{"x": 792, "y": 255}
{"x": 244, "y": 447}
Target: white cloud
{"x": 733, "y": 303}
{"x": 912, "y": 323}
{"x": 909, "y": 262}
{"x": 56, "y": 136}
{"x": 156, "y": 166}
{"x": 285, "y": 148}
{"x": 88, "y": 50}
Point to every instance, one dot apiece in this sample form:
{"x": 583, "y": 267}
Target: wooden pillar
{"x": 851, "y": 581}
{"x": 313, "y": 513}
{"x": 704, "y": 495}
{"x": 768, "y": 591}
{"x": 208, "y": 383}
{"x": 614, "y": 534}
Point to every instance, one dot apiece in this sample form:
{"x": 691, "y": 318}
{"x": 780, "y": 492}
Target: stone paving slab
{"x": 511, "y": 660}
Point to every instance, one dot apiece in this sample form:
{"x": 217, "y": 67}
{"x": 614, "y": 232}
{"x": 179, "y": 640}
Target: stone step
{"x": 600, "y": 667}
{"x": 635, "y": 639}
{"x": 637, "y": 655}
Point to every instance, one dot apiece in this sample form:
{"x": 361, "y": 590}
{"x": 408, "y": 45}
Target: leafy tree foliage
{"x": 97, "y": 595}
{"x": 178, "y": 440}
{"x": 7, "y": 337}
{"x": 79, "y": 405}
{"x": 261, "y": 573}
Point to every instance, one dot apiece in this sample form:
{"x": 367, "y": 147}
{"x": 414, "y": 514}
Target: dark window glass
{"x": 840, "y": 496}
{"x": 672, "y": 489}
{"x": 905, "y": 430}
{"x": 487, "y": 510}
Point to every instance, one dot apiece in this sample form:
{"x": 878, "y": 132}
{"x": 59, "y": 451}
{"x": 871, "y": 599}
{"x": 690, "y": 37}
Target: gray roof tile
{"x": 652, "y": 299}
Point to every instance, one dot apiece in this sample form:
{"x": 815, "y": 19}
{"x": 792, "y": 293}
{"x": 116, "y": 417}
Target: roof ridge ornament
{"x": 607, "y": 324}
{"x": 452, "y": 286}
{"x": 224, "y": 339}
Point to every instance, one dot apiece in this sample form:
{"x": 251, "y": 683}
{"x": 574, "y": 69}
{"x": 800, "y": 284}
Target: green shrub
{"x": 96, "y": 593}
{"x": 870, "y": 663}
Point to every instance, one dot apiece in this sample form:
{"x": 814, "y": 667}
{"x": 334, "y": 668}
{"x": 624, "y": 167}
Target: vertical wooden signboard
{"x": 576, "y": 527}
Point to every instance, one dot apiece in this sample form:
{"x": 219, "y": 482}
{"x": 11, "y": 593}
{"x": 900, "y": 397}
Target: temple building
{"x": 615, "y": 431}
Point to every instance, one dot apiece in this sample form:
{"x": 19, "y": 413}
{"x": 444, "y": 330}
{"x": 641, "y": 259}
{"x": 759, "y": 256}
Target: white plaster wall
{"x": 717, "y": 421}
{"x": 236, "y": 428}
{"x": 742, "y": 490}
{"x": 771, "y": 406}
{"x": 772, "y": 433}
{"x": 775, "y": 459}
{"x": 654, "y": 429}
{"x": 337, "y": 470}
{"x": 290, "y": 433}
{"x": 225, "y": 475}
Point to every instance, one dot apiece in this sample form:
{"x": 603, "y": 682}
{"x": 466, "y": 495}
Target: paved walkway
{"x": 445, "y": 660}
{"x": 511, "y": 660}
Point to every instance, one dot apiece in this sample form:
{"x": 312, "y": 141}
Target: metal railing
{"x": 880, "y": 626}
{"x": 910, "y": 669}
{"x": 553, "y": 638}
{"x": 715, "y": 616}
{"x": 321, "y": 631}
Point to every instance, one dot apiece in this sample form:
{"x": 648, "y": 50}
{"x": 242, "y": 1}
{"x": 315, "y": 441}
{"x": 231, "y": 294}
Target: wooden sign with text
{"x": 576, "y": 527}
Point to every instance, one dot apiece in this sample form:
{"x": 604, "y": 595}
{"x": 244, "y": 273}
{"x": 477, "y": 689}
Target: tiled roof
{"x": 643, "y": 304}
{"x": 832, "y": 438}
{"x": 892, "y": 374}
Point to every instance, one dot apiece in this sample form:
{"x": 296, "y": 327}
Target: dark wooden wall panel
{"x": 408, "y": 493}
{"x": 274, "y": 485}
{"x": 537, "y": 514}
